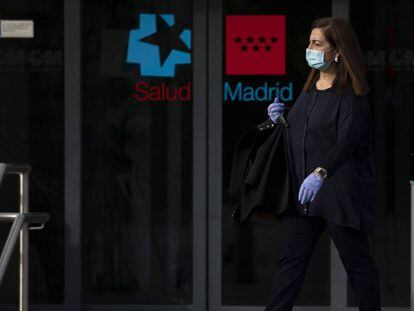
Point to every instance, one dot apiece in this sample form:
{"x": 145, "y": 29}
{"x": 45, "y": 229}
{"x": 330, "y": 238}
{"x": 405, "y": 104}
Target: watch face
{"x": 321, "y": 172}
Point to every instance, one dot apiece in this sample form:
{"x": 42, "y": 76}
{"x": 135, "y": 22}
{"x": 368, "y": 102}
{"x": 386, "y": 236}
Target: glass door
{"x": 107, "y": 103}
{"x": 143, "y": 155}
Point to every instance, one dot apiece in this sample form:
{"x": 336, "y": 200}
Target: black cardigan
{"x": 335, "y": 132}
{"x": 325, "y": 129}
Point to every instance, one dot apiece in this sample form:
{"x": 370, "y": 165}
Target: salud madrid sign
{"x": 255, "y": 47}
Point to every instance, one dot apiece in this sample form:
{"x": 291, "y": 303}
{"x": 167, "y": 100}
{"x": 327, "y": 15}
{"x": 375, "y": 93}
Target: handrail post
{"x": 24, "y": 244}
{"x": 14, "y": 235}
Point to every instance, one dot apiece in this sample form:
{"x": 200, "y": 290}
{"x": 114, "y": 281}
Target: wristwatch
{"x": 322, "y": 172}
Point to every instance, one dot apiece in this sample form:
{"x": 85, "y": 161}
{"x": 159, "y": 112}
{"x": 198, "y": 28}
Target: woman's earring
{"x": 336, "y": 59}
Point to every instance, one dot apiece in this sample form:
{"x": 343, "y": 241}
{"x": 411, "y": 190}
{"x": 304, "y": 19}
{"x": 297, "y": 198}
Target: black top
{"x": 334, "y": 132}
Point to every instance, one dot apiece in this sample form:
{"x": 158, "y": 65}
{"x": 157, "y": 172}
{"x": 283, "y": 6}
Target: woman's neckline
{"x": 323, "y": 90}
{"x": 327, "y": 89}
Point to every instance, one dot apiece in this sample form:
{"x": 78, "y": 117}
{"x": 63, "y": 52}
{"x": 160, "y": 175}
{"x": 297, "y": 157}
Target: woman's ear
{"x": 337, "y": 55}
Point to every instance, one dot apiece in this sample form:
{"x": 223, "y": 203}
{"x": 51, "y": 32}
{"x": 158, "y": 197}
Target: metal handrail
{"x": 20, "y": 229}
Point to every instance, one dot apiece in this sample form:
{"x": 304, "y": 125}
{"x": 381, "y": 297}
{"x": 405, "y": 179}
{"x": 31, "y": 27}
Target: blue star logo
{"x": 158, "y": 45}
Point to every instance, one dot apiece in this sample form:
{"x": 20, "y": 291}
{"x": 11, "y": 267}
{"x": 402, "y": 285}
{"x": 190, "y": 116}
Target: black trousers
{"x": 297, "y": 236}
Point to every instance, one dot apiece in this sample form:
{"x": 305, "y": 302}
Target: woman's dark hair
{"x": 350, "y": 70}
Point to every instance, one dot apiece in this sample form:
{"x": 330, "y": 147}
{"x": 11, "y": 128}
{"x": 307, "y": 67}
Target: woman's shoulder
{"x": 353, "y": 102}
{"x": 351, "y": 93}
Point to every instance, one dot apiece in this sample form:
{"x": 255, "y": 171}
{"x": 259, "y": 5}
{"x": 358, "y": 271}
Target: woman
{"x": 330, "y": 152}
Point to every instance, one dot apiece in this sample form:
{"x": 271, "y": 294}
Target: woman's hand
{"x": 310, "y": 187}
{"x": 275, "y": 109}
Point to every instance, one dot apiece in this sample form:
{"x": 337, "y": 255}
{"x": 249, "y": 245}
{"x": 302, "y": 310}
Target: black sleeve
{"x": 353, "y": 130}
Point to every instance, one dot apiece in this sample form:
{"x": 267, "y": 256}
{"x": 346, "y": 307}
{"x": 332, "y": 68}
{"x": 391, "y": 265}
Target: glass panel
{"x": 382, "y": 28}
{"x": 137, "y": 152}
{"x": 32, "y": 131}
{"x": 249, "y": 252}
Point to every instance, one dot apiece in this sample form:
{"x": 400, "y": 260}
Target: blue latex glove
{"x": 275, "y": 109}
{"x": 310, "y": 187}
